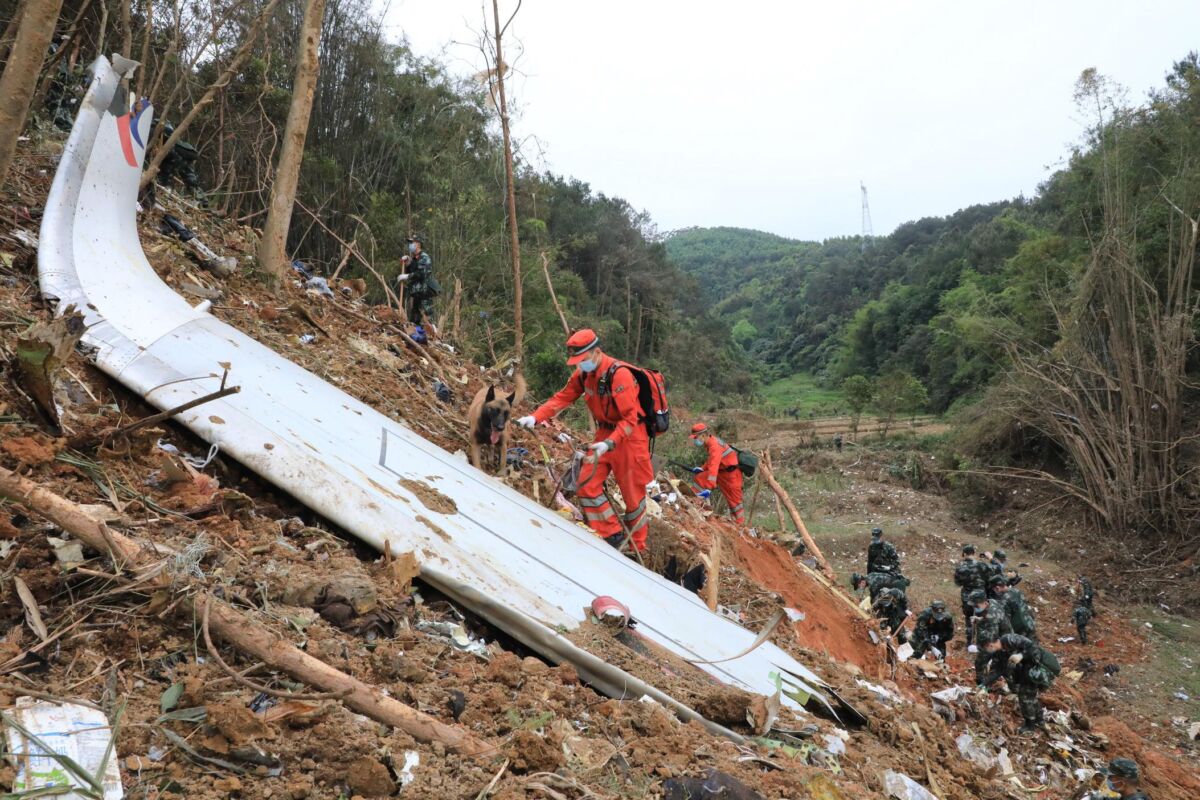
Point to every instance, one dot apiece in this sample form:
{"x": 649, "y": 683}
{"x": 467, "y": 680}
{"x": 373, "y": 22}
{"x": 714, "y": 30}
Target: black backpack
{"x": 652, "y": 396}
{"x": 747, "y": 462}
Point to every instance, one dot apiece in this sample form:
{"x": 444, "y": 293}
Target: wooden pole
{"x": 822, "y": 564}
{"x": 237, "y": 629}
{"x": 754, "y": 498}
{"x": 272, "y": 247}
{"x": 712, "y": 567}
{"x": 518, "y": 333}
{"x": 20, "y": 77}
{"x": 554, "y": 295}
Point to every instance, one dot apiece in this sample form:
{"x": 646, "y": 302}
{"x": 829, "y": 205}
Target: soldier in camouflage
{"x": 1125, "y": 779}
{"x": 990, "y": 624}
{"x": 891, "y": 607}
{"x": 1087, "y": 594}
{"x": 1082, "y": 617}
{"x": 881, "y": 555}
{"x": 1020, "y": 617}
{"x": 934, "y": 628}
{"x": 878, "y": 581}
{"x": 858, "y": 583}
{"x": 421, "y": 286}
{"x": 1028, "y": 668}
{"x": 969, "y": 575}
{"x": 1000, "y": 566}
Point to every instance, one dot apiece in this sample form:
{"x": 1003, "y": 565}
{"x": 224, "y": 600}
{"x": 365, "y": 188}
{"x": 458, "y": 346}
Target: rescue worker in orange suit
{"x": 622, "y": 443}
{"x": 720, "y": 471}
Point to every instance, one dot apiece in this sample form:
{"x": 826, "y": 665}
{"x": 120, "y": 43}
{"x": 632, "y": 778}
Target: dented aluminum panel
{"x": 362, "y": 470}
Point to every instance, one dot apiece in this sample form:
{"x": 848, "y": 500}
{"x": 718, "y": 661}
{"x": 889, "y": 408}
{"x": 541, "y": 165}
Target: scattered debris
{"x": 714, "y": 785}
{"x": 41, "y": 351}
{"x": 905, "y": 788}
{"x": 62, "y": 743}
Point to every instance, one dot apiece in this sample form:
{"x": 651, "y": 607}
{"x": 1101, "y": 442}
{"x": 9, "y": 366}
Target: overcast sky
{"x": 766, "y": 113}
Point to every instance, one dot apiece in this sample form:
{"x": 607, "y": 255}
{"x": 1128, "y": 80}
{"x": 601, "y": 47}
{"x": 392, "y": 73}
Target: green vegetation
{"x": 398, "y": 145}
{"x": 800, "y": 391}
{"x": 1071, "y": 315}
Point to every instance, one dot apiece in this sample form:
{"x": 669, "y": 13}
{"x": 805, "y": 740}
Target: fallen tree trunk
{"x": 822, "y": 564}
{"x": 238, "y": 630}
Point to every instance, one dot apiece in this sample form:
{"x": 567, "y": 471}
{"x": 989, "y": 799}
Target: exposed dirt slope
{"x": 298, "y": 577}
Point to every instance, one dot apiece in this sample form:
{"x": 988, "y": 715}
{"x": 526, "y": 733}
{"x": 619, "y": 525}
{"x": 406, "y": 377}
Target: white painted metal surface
{"x": 340, "y": 457}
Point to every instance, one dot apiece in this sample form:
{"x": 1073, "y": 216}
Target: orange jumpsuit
{"x": 721, "y": 472}
{"x": 618, "y": 416}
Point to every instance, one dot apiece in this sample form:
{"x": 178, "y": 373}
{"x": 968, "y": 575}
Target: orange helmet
{"x": 579, "y": 344}
{"x": 698, "y": 429}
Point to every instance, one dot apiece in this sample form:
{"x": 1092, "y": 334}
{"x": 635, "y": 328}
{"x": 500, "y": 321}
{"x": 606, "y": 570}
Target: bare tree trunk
{"x": 272, "y": 250}
{"x": 231, "y": 69}
{"x": 408, "y": 221}
{"x": 553, "y": 295}
{"x": 20, "y": 76}
{"x": 10, "y": 30}
{"x": 126, "y": 29}
{"x": 823, "y": 565}
{"x": 147, "y": 34}
{"x": 103, "y": 28}
{"x": 518, "y": 332}
{"x": 628, "y": 319}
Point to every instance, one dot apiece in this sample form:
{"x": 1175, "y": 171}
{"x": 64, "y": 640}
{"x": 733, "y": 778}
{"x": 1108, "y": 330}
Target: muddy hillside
{"x": 236, "y": 645}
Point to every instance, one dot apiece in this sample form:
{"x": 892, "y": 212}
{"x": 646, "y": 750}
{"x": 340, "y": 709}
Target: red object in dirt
{"x": 610, "y": 610}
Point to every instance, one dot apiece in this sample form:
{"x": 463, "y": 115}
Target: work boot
{"x": 616, "y": 540}
{"x": 1030, "y": 728}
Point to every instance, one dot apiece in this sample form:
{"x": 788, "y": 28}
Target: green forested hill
{"x": 837, "y": 308}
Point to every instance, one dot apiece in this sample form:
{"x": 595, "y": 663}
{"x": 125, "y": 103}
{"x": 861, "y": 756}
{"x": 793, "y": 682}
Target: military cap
{"x": 977, "y": 596}
{"x": 1123, "y": 768}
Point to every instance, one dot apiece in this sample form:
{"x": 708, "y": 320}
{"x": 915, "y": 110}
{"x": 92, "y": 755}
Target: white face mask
{"x": 698, "y": 442}
{"x": 412, "y": 247}
{"x": 587, "y": 366}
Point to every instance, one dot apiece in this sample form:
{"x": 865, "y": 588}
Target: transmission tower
{"x": 867, "y": 233}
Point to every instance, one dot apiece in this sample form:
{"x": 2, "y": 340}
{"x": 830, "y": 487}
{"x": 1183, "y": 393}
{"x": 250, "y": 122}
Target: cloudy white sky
{"x": 767, "y": 113}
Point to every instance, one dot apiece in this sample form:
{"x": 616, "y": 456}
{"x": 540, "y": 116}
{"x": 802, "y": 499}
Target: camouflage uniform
{"x": 1126, "y": 770}
{"x": 1035, "y": 672}
{"x": 859, "y": 592}
{"x": 933, "y": 629}
{"x": 891, "y": 607}
{"x": 970, "y": 575}
{"x": 989, "y": 627}
{"x": 421, "y": 288}
{"x": 1082, "y": 617}
{"x": 1020, "y": 616}
{"x": 1087, "y": 595}
{"x": 878, "y": 581}
{"x": 882, "y": 557}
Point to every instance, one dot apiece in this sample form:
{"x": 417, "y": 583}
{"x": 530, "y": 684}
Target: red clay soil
{"x": 829, "y": 625}
{"x": 1162, "y": 777}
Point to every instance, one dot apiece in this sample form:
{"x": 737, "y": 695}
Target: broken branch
{"x": 822, "y": 564}
{"x": 242, "y": 633}
{"x": 88, "y": 442}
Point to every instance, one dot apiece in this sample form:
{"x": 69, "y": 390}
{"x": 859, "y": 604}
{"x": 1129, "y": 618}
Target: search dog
{"x": 487, "y": 423}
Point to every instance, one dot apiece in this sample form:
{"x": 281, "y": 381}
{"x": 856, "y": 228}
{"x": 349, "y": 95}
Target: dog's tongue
{"x": 495, "y": 437}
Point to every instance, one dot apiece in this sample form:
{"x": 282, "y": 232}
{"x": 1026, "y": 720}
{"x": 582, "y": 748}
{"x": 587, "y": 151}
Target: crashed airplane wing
{"x": 364, "y": 471}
